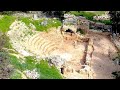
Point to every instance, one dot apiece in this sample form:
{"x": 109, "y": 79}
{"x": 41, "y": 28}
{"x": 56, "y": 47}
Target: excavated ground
{"x": 72, "y": 69}
{"x": 91, "y": 56}
{"x": 101, "y": 52}
{"x": 102, "y": 58}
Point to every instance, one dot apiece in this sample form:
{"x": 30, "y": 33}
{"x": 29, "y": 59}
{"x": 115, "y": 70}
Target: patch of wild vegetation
{"x": 7, "y": 20}
{"x": 90, "y": 15}
{"x": 116, "y": 74}
{"x": 30, "y": 68}
{"x": 42, "y": 24}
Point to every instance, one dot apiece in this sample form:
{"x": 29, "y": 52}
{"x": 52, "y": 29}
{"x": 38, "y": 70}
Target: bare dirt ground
{"x": 104, "y": 51}
{"x": 101, "y": 65}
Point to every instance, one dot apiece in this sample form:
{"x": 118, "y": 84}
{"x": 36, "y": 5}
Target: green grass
{"x": 98, "y": 12}
{"x": 81, "y": 31}
{"x": 16, "y": 75}
{"x": 90, "y": 15}
{"x": 45, "y": 71}
{"x": 108, "y": 22}
{"x": 40, "y": 27}
{"x": 6, "y": 12}
{"x": 48, "y": 72}
{"x": 5, "y": 22}
{"x": 4, "y": 42}
{"x": 7, "y": 43}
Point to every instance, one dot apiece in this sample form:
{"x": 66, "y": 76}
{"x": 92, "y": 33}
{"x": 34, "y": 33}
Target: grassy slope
{"x": 45, "y": 71}
{"x": 89, "y": 15}
{"x": 40, "y": 27}
{"x": 5, "y": 22}
{"x": 97, "y": 12}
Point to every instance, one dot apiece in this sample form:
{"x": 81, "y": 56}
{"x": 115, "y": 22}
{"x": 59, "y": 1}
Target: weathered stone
{"x": 44, "y": 23}
{"x": 56, "y": 60}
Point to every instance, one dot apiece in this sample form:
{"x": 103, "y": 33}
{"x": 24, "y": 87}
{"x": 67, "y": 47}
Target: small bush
{"x": 4, "y": 42}
{"x": 80, "y": 31}
{"x": 16, "y": 75}
{"x": 116, "y": 74}
{"x": 6, "y": 12}
{"x": 107, "y": 22}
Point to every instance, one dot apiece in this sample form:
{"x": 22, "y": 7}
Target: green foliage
{"x": 4, "y": 55}
{"x": 16, "y": 62}
{"x": 48, "y": 72}
{"x": 16, "y": 75}
{"x": 38, "y": 25}
{"x": 5, "y": 23}
{"x": 99, "y": 12}
{"x": 116, "y": 74}
{"x": 6, "y": 12}
{"x": 4, "y": 42}
{"x": 7, "y": 20}
{"x": 90, "y": 15}
{"x": 107, "y": 22}
{"x": 45, "y": 71}
{"x": 80, "y": 31}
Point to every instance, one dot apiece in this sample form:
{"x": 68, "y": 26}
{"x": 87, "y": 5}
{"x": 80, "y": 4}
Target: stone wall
{"x": 100, "y": 26}
{"x": 32, "y": 14}
{"x": 83, "y": 23}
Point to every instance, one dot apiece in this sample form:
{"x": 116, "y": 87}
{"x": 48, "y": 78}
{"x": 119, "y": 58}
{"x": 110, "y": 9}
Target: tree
{"x": 115, "y": 18}
{"x": 58, "y": 14}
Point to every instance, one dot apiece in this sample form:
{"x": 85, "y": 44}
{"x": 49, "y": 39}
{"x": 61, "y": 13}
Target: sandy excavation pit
{"x": 71, "y": 68}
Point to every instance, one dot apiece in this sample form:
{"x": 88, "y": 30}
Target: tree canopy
{"x": 115, "y": 18}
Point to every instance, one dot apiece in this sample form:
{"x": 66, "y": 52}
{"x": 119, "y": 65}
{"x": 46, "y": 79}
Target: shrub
{"x": 6, "y": 12}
